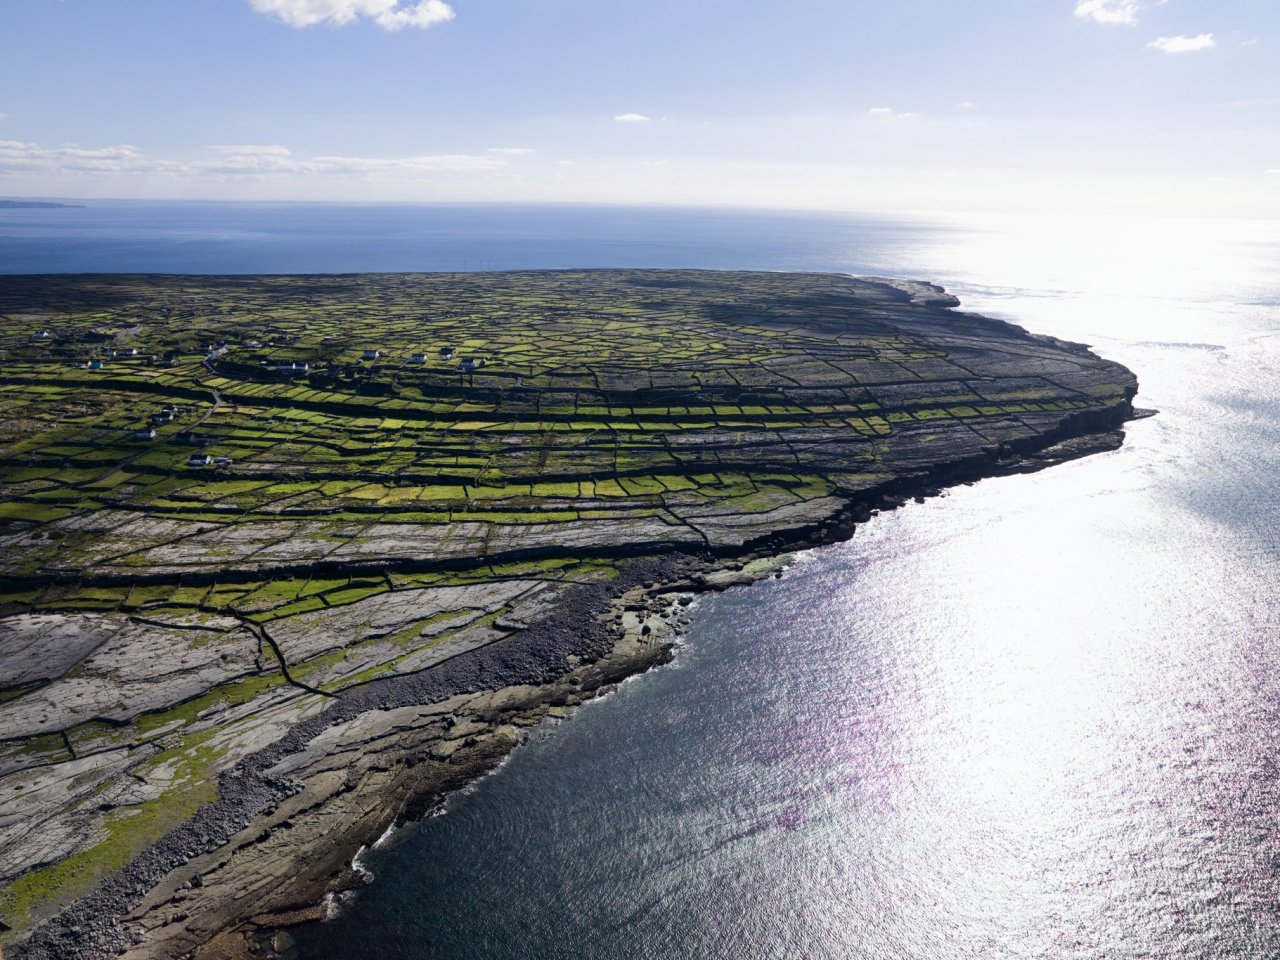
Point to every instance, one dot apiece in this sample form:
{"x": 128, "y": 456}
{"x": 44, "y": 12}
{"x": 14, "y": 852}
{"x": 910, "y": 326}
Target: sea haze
{"x": 1038, "y": 717}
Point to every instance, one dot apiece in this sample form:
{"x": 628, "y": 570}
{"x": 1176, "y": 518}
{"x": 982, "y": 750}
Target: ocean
{"x": 1038, "y": 717}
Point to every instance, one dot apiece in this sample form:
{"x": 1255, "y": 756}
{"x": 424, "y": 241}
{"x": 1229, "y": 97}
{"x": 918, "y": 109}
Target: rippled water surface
{"x": 1035, "y": 718}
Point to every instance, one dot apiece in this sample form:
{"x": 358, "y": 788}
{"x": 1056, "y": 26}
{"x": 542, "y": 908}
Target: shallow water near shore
{"x": 1038, "y": 717}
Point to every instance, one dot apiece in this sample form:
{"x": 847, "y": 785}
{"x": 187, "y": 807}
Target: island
{"x": 287, "y": 559}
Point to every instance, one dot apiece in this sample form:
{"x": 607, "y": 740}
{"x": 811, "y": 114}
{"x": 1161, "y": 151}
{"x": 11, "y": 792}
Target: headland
{"x": 287, "y": 559}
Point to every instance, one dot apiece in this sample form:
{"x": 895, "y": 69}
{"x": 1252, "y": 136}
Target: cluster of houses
{"x": 97, "y": 363}
{"x": 445, "y": 353}
{"x": 205, "y": 460}
{"x": 169, "y": 359}
{"x": 166, "y": 415}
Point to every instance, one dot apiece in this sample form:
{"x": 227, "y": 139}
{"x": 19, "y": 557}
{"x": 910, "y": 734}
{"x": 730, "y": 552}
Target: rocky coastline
{"x": 428, "y": 735}
{"x": 240, "y": 640}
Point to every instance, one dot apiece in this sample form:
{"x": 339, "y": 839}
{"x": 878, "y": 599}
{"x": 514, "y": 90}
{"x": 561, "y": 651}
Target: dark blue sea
{"x": 132, "y": 237}
{"x": 1036, "y": 718}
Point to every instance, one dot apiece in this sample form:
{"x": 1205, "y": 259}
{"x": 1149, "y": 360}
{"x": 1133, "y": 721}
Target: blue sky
{"x": 896, "y": 105}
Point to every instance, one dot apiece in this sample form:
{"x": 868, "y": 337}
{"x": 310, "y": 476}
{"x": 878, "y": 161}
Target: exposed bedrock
{"x": 219, "y": 682}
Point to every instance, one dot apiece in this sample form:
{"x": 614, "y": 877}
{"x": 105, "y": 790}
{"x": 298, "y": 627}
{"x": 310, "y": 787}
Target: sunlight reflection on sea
{"x": 1034, "y": 718}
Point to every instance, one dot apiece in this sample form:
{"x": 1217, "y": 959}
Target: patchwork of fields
{"x": 163, "y": 617}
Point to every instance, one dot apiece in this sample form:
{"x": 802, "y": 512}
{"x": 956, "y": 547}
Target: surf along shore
{"x": 282, "y": 567}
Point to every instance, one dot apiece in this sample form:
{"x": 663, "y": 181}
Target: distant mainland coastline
{"x": 38, "y": 205}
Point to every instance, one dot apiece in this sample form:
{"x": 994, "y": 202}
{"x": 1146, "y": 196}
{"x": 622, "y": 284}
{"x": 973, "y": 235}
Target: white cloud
{"x": 890, "y": 112}
{"x": 19, "y": 157}
{"x": 256, "y": 162}
{"x": 273, "y": 151}
{"x": 403, "y": 167}
{"x": 4, "y": 116}
{"x": 631, "y": 118}
{"x": 387, "y": 14}
{"x": 1272, "y": 173}
{"x": 1181, "y": 44}
{"x": 511, "y": 151}
{"x": 1108, "y": 11}
{"x": 965, "y": 105}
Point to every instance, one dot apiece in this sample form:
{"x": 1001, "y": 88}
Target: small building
{"x": 146, "y": 433}
{"x": 96, "y": 364}
{"x": 446, "y": 353}
{"x": 125, "y": 352}
{"x": 470, "y": 363}
{"x": 418, "y": 358}
{"x": 199, "y": 460}
{"x": 170, "y": 359}
{"x": 371, "y": 355}
{"x": 42, "y": 335}
{"x": 223, "y": 461}
{"x": 164, "y": 416}
{"x": 292, "y": 368}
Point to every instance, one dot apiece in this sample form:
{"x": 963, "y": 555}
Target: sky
{"x": 1112, "y": 106}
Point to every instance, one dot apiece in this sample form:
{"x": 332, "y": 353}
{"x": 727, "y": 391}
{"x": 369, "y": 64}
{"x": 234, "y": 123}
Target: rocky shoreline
{"x": 278, "y": 843}
{"x": 337, "y": 569}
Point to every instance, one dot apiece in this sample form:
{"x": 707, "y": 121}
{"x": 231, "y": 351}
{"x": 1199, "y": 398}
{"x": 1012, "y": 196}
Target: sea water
{"x": 1038, "y": 717}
